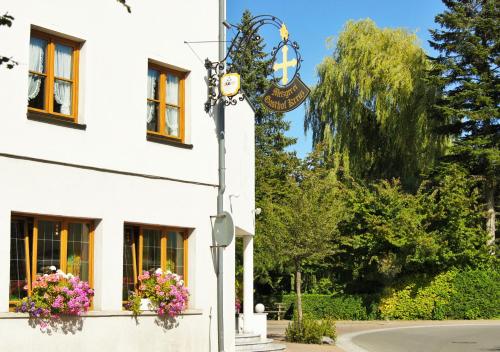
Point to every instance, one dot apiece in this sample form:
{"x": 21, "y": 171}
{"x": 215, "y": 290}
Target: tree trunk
{"x": 298, "y": 291}
{"x": 490, "y": 213}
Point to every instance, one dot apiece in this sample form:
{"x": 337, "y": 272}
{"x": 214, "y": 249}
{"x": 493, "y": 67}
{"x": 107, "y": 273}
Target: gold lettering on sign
{"x": 286, "y": 98}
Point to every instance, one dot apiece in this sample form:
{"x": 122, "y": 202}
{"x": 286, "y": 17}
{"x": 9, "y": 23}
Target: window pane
{"x": 152, "y": 117}
{"x": 78, "y": 250}
{"x": 172, "y": 121}
{"x": 36, "y": 91}
{"x": 17, "y": 260}
{"x": 153, "y": 82}
{"x": 63, "y": 61}
{"x": 38, "y": 49}
{"x": 172, "y": 89}
{"x": 151, "y": 255}
{"x": 175, "y": 253}
{"x": 128, "y": 263}
{"x": 62, "y": 96}
{"x": 48, "y": 245}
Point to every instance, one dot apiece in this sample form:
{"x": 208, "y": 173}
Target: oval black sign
{"x": 286, "y": 98}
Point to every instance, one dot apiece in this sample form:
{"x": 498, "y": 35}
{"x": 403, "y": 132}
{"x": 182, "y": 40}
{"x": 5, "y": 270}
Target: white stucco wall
{"x": 113, "y": 71}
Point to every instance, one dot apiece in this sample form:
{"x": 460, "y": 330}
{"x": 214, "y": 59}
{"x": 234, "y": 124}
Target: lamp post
{"x": 218, "y": 101}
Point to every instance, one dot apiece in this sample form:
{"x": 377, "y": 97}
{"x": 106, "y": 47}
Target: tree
{"x": 372, "y": 102}
{"x": 307, "y": 220}
{"x": 273, "y": 163}
{"x": 467, "y": 68}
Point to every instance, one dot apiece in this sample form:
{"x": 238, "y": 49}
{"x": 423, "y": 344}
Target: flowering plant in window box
{"x": 165, "y": 290}
{"x": 56, "y": 294}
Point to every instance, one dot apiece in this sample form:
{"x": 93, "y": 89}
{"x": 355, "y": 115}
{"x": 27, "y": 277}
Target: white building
{"x": 85, "y": 181}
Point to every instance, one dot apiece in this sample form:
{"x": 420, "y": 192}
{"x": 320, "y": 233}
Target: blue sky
{"x": 311, "y": 22}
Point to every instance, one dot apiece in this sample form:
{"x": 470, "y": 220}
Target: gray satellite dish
{"x": 224, "y": 229}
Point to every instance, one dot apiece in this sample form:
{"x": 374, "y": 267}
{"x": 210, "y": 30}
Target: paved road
{"x": 464, "y": 338}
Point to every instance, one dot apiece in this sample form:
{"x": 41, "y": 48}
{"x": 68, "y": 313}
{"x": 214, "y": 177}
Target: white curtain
{"x": 152, "y": 84}
{"x": 173, "y": 121}
{"x": 172, "y": 90}
{"x": 37, "y": 54}
{"x": 62, "y": 89}
{"x": 173, "y": 98}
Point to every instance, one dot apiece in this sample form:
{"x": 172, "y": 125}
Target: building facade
{"x": 108, "y": 166}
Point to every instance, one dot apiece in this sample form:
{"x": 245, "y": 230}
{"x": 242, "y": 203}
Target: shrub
{"x": 476, "y": 295}
{"x": 468, "y": 294}
{"x": 418, "y": 297}
{"x": 327, "y": 306}
{"x": 310, "y": 330}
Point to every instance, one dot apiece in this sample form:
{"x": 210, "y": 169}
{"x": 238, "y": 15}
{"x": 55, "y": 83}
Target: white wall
{"x": 114, "y": 62}
{"x": 113, "y": 70}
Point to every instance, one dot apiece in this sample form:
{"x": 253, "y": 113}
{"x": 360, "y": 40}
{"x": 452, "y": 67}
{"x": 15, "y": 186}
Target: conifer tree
{"x": 467, "y": 69}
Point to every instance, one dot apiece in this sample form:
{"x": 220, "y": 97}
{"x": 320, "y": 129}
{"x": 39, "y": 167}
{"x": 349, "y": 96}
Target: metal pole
{"x": 222, "y": 184}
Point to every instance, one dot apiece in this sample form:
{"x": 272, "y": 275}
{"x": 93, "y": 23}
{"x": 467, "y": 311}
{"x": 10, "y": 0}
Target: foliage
{"x": 476, "y": 295}
{"x": 56, "y": 294}
{"x": 466, "y": 294}
{"x": 310, "y": 331}
{"x": 453, "y": 220}
{"x": 124, "y": 3}
{"x": 166, "y": 291}
{"x": 372, "y": 103}
{"x": 6, "y": 20}
{"x": 467, "y": 69}
{"x": 418, "y": 298}
{"x": 341, "y": 307}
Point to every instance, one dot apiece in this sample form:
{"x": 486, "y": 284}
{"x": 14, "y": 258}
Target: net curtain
{"x": 62, "y": 89}
{"x": 37, "y": 54}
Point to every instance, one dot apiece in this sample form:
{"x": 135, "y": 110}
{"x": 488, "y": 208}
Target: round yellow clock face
{"x": 230, "y": 84}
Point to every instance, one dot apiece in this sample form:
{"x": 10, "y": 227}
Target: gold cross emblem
{"x": 285, "y": 64}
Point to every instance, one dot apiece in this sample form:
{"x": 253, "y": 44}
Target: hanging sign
{"x": 286, "y": 92}
{"x": 230, "y": 84}
{"x": 285, "y": 95}
{"x": 286, "y": 98}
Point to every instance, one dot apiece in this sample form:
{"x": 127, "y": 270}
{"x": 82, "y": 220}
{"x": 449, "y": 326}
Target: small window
{"x": 53, "y": 76}
{"x": 150, "y": 248}
{"x": 165, "y": 103}
{"x": 37, "y": 243}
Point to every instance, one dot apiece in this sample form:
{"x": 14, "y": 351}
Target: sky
{"x": 311, "y": 22}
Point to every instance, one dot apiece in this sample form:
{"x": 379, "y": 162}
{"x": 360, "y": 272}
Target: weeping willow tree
{"x": 372, "y": 103}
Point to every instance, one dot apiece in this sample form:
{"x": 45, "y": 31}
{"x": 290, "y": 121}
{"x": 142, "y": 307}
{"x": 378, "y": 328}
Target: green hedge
{"x": 326, "y": 306}
{"x": 468, "y": 294}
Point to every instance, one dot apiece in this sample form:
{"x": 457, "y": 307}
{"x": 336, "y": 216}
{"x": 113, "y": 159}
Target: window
{"x": 40, "y": 242}
{"x": 165, "y": 103}
{"x": 53, "y": 76}
{"x": 150, "y": 248}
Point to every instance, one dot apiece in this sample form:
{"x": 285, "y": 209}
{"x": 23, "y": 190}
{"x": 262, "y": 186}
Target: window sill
{"x": 54, "y": 120}
{"x": 158, "y": 138}
{"x": 96, "y": 313}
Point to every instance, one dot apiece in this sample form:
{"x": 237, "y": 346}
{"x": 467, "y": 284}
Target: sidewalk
{"x": 276, "y": 330}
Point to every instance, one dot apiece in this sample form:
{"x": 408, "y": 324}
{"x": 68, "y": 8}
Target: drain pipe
{"x": 222, "y": 183}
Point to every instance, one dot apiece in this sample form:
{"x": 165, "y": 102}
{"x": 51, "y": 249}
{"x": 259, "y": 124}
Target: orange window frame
{"x": 162, "y": 101}
{"x": 50, "y": 77}
{"x": 138, "y": 243}
{"x": 31, "y": 255}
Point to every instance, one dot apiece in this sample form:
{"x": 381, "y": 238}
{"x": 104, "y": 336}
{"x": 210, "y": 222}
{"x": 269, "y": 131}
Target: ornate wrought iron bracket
{"x": 216, "y": 69}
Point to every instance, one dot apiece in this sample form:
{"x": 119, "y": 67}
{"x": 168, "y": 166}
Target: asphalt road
{"x": 459, "y": 338}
